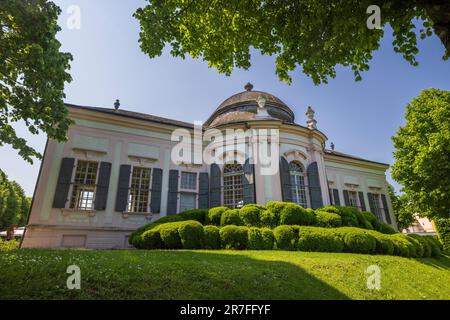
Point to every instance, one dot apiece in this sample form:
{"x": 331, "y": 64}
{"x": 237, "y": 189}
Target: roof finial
{"x": 332, "y": 146}
{"x": 311, "y": 122}
{"x": 117, "y": 104}
{"x": 248, "y": 86}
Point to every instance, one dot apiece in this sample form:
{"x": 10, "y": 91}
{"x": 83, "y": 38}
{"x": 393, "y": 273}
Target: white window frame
{"x": 298, "y": 185}
{"x": 235, "y": 189}
{"x": 130, "y": 209}
{"x": 81, "y": 187}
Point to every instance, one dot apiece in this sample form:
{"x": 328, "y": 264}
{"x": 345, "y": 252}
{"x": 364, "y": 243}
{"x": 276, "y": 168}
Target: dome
{"x": 243, "y": 106}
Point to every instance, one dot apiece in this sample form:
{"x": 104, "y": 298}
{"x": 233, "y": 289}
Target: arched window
{"x": 233, "y": 175}
{"x": 297, "y": 184}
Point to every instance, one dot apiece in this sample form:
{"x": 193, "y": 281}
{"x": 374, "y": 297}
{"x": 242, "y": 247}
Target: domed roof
{"x": 243, "y": 106}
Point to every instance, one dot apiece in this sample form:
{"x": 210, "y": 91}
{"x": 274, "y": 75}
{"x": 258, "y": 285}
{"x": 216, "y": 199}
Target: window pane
{"x": 187, "y": 201}
{"x": 83, "y": 190}
{"x": 297, "y": 184}
{"x": 188, "y": 180}
{"x": 138, "y": 198}
{"x": 232, "y": 185}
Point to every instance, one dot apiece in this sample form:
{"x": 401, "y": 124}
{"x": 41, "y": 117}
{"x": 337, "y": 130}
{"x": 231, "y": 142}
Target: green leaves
{"x": 422, "y": 153}
{"x": 14, "y": 204}
{"x": 33, "y": 73}
{"x": 315, "y": 35}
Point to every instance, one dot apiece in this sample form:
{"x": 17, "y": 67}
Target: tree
{"x": 32, "y": 73}
{"x": 403, "y": 211}
{"x": 14, "y": 204}
{"x": 315, "y": 35}
{"x": 422, "y": 154}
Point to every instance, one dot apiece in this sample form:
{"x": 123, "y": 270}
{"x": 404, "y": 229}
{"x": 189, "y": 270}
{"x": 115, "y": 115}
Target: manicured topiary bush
{"x": 434, "y": 245}
{"x": 402, "y": 247}
{"x": 385, "y": 228}
{"x": 260, "y": 238}
{"x": 234, "y": 237}
{"x": 384, "y": 244}
{"x": 426, "y": 247}
{"x": 359, "y": 242}
{"x": 276, "y": 206}
{"x": 150, "y": 239}
{"x": 312, "y": 219}
{"x": 195, "y": 214}
{"x": 191, "y": 234}
{"x": 371, "y": 218}
{"x": 319, "y": 239}
{"x": 328, "y": 219}
{"x": 348, "y": 215}
{"x": 214, "y": 215}
{"x": 284, "y": 237}
{"x": 250, "y": 214}
{"x": 231, "y": 216}
{"x": 169, "y": 235}
{"x": 294, "y": 214}
{"x": 211, "y": 237}
{"x": 269, "y": 219}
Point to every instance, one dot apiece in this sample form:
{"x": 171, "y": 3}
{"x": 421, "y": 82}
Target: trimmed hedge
{"x": 250, "y": 214}
{"x": 285, "y": 237}
{"x": 169, "y": 234}
{"x": 359, "y": 242}
{"x": 328, "y": 219}
{"x": 195, "y": 214}
{"x": 234, "y": 237}
{"x": 269, "y": 219}
{"x": 214, "y": 215}
{"x": 211, "y": 237}
{"x": 191, "y": 234}
{"x": 319, "y": 239}
{"x": 260, "y": 238}
{"x": 231, "y": 217}
{"x": 443, "y": 229}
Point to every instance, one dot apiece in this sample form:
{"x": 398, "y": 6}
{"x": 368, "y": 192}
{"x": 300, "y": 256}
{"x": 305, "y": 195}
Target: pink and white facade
{"x": 116, "y": 172}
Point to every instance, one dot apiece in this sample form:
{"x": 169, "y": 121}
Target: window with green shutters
{"x": 298, "y": 187}
{"x": 233, "y": 196}
{"x": 83, "y": 186}
{"x": 139, "y": 195}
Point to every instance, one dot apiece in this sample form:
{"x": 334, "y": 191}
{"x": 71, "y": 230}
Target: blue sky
{"x": 359, "y": 117}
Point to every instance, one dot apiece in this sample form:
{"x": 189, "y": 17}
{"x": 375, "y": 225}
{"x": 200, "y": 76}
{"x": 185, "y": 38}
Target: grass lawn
{"x": 136, "y": 274}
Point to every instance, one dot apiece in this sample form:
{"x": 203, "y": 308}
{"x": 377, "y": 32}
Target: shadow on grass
{"x": 229, "y": 276}
{"x": 441, "y": 262}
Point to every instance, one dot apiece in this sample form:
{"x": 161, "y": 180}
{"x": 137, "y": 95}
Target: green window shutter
{"x": 337, "y": 200}
{"x": 172, "y": 198}
{"x": 315, "y": 191}
{"x": 285, "y": 178}
{"x": 122, "y": 190}
{"x": 249, "y": 183}
{"x": 346, "y": 198}
{"x": 155, "y": 197}
{"x": 203, "y": 188}
{"x": 63, "y": 184}
{"x": 362, "y": 202}
{"x": 215, "y": 186}
{"x": 386, "y": 209}
{"x": 101, "y": 192}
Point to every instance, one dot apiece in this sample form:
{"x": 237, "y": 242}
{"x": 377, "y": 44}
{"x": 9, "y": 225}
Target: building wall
{"x": 117, "y": 140}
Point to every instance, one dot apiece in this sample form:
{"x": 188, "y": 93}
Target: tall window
{"x": 188, "y": 180}
{"x": 138, "y": 199}
{"x": 378, "y": 208}
{"x": 233, "y": 175}
{"x": 84, "y": 185}
{"x": 353, "y": 198}
{"x": 298, "y": 184}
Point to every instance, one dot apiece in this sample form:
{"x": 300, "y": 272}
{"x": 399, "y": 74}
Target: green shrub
{"x": 293, "y": 214}
{"x": 384, "y": 243}
{"x": 250, "y": 214}
{"x": 260, "y": 238}
{"x": 385, "y": 228}
{"x": 443, "y": 229}
{"x": 194, "y": 214}
{"x": 363, "y": 222}
{"x": 169, "y": 235}
{"x": 9, "y": 245}
{"x": 276, "y": 206}
{"x": 359, "y": 242}
{"x": 231, "y": 216}
{"x": 319, "y": 239}
{"x": 214, "y": 215}
{"x": 372, "y": 219}
{"x": 328, "y": 219}
{"x": 135, "y": 237}
{"x": 234, "y": 237}
{"x": 348, "y": 216}
{"x": 150, "y": 239}
{"x": 311, "y": 217}
{"x": 191, "y": 234}
{"x": 434, "y": 245}
{"x": 284, "y": 237}
{"x": 426, "y": 247}
{"x": 211, "y": 237}
{"x": 269, "y": 219}
{"x": 402, "y": 247}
